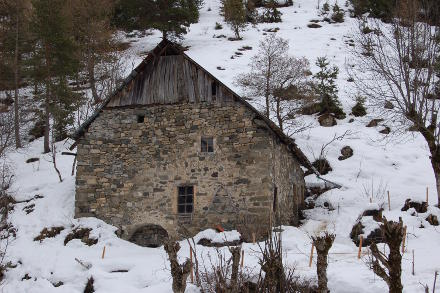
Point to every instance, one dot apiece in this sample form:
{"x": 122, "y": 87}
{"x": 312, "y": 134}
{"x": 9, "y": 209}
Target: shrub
{"x": 359, "y": 109}
{"x": 338, "y": 14}
{"x": 218, "y": 26}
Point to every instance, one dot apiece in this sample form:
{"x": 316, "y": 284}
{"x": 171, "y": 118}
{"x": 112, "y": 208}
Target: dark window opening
{"x": 185, "y": 200}
{"x": 214, "y": 89}
{"x": 275, "y": 198}
{"x": 207, "y": 145}
{"x": 140, "y": 118}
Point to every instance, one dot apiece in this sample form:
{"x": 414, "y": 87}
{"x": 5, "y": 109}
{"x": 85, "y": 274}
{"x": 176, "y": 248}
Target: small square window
{"x": 140, "y": 118}
{"x": 185, "y": 199}
{"x": 207, "y": 145}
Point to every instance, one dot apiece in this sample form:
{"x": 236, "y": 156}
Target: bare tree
{"x": 280, "y": 79}
{"x": 395, "y": 64}
{"x": 389, "y": 268}
{"x": 178, "y": 272}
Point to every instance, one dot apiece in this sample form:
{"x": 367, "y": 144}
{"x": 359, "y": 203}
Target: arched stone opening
{"x": 149, "y": 235}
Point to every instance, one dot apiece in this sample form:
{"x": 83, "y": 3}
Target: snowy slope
{"x": 400, "y": 164}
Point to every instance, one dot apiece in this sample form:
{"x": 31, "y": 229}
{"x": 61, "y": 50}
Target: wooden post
{"x": 427, "y": 195}
{"x": 242, "y": 259}
{"x": 404, "y": 238}
{"x": 413, "y": 263}
{"x": 103, "y": 253}
{"x": 389, "y": 201}
{"x": 360, "y": 246}
{"x": 191, "y": 258}
{"x": 253, "y": 237}
{"x": 311, "y": 256}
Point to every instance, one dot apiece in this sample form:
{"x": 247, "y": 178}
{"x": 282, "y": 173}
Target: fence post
{"x": 311, "y": 256}
{"x": 427, "y": 195}
{"x": 389, "y": 201}
{"x": 103, "y": 252}
{"x": 360, "y": 246}
{"x": 404, "y": 238}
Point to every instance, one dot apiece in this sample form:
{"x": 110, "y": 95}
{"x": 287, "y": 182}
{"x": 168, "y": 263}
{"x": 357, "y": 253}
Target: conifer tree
{"x": 235, "y": 15}
{"x": 271, "y": 13}
{"x": 14, "y": 45}
{"x": 53, "y": 62}
{"x": 327, "y": 88}
{"x": 171, "y": 17}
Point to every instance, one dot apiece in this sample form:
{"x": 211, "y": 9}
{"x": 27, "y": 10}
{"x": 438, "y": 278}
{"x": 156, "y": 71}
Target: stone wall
{"x": 128, "y": 173}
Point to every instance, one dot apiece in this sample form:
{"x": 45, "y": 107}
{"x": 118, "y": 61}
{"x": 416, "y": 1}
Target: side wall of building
{"x": 129, "y": 170}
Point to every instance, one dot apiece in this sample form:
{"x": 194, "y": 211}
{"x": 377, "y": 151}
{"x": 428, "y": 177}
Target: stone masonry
{"x": 132, "y": 160}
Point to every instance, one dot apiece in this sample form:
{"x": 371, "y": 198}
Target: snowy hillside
{"x": 398, "y": 165}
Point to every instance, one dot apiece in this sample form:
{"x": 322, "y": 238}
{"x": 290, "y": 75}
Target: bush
{"x": 218, "y": 26}
{"x": 338, "y": 14}
{"x": 359, "y": 109}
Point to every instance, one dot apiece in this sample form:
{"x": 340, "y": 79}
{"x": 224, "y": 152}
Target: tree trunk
{"x": 16, "y": 85}
{"x": 436, "y": 167}
{"x": 279, "y": 117}
{"x": 322, "y": 245}
{"x": 46, "y": 122}
{"x": 92, "y": 81}
{"x": 178, "y": 272}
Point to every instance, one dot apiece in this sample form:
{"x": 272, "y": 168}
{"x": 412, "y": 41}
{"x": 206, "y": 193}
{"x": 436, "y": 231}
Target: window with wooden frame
{"x": 185, "y": 200}
{"x": 207, "y": 145}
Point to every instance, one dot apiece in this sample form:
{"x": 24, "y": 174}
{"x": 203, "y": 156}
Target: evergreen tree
{"x": 271, "y": 13}
{"x": 14, "y": 46}
{"x": 235, "y": 15}
{"x": 327, "y": 89}
{"x": 171, "y": 17}
{"x": 53, "y": 62}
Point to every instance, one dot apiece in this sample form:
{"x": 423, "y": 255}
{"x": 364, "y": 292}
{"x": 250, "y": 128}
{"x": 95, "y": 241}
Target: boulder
{"x": 346, "y": 153}
{"x": 386, "y": 130}
{"x": 327, "y": 120}
{"x": 432, "y": 219}
{"x": 388, "y": 105}
{"x": 374, "y": 122}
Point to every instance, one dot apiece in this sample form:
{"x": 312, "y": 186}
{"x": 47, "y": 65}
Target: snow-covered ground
{"x": 399, "y": 165}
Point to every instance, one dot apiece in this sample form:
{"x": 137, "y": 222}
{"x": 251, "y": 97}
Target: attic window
{"x": 140, "y": 118}
{"x": 185, "y": 199}
{"x": 214, "y": 89}
{"x": 207, "y": 145}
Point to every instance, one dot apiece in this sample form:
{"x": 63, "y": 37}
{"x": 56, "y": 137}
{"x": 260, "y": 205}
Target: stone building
{"x": 174, "y": 151}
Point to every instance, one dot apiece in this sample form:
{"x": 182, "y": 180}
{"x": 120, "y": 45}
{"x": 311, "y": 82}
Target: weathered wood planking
{"x": 169, "y": 80}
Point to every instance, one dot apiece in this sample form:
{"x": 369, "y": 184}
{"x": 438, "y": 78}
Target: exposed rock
{"x": 322, "y": 165}
{"x": 83, "y": 234}
{"x": 388, "y": 105}
{"x": 351, "y": 120}
{"x": 327, "y": 120}
{"x": 48, "y": 233}
{"x": 386, "y": 130}
{"x": 374, "y": 122}
{"x": 376, "y": 214}
{"x": 432, "y": 219}
{"x": 31, "y": 160}
{"x": 420, "y": 207}
{"x": 346, "y": 153}
{"x": 314, "y": 25}
{"x": 209, "y": 243}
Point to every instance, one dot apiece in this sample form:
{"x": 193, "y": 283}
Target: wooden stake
{"x": 360, "y": 246}
{"x": 242, "y": 259}
{"x": 427, "y": 195}
{"x": 103, "y": 252}
{"x": 191, "y": 258}
{"x": 253, "y": 237}
{"x": 404, "y": 238}
{"x": 311, "y": 256}
{"x": 389, "y": 201}
{"x": 413, "y": 263}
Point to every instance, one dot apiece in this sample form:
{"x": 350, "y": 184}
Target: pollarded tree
{"x": 235, "y": 15}
{"x": 397, "y": 66}
{"x": 280, "y": 79}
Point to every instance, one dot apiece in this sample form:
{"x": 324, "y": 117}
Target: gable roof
{"x": 166, "y": 48}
